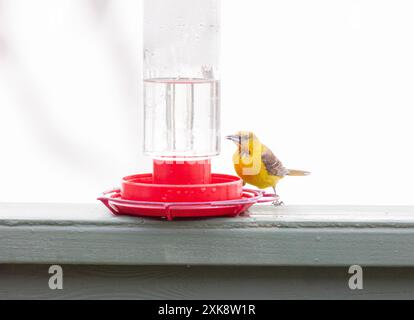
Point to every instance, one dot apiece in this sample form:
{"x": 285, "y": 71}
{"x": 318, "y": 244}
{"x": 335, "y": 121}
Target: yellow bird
{"x": 257, "y": 165}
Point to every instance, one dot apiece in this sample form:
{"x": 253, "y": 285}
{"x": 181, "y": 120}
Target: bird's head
{"x": 244, "y": 139}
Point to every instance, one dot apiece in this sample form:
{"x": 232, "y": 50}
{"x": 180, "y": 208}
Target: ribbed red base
{"x": 141, "y": 188}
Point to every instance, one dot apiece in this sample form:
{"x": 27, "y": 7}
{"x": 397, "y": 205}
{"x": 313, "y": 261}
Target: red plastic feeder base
{"x": 141, "y": 188}
{"x": 170, "y": 211}
{"x": 182, "y": 190}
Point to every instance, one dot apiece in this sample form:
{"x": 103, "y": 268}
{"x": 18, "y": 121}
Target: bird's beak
{"x": 234, "y": 138}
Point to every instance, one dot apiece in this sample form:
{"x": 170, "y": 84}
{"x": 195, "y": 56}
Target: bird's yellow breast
{"x": 253, "y": 171}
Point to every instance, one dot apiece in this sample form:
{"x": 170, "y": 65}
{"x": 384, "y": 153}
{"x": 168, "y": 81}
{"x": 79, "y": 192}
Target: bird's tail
{"x": 298, "y": 173}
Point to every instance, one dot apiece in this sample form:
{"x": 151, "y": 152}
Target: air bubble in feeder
{"x": 182, "y": 118}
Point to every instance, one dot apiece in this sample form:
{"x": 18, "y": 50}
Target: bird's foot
{"x": 278, "y": 203}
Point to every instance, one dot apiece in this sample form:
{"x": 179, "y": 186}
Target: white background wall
{"x": 327, "y": 84}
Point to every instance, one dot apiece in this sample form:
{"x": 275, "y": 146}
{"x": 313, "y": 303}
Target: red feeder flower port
{"x": 182, "y": 120}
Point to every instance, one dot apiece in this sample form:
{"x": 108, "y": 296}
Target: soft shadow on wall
{"x": 70, "y": 96}
{"x": 328, "y": 85}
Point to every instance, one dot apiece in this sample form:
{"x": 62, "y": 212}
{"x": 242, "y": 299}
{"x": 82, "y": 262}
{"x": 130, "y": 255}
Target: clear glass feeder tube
{"x": 181, "y": 77}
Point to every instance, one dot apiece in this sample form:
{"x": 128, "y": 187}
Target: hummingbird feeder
{"x": 182, "y": 119}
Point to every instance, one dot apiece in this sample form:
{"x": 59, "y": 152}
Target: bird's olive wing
{"x": 273, "y": 165}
